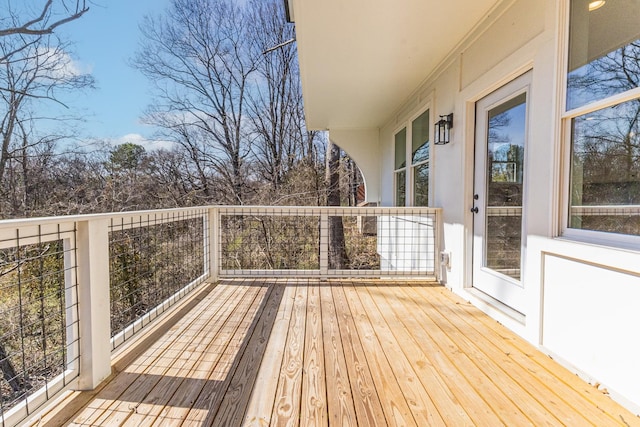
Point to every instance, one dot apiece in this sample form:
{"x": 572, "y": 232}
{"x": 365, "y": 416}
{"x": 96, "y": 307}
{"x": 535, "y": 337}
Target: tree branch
{"x": 48, "y": 28}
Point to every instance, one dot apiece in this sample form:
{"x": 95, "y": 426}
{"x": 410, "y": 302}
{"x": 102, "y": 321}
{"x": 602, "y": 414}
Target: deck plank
{"x": 559, "y": 385}
{"x": 169, "y": 365}
{"x": 343, "y": 352}
{"x": 340, "y": 407}
{"x": 286, "y": 410}
{"x": 395, "y": 312}
{"x": 191, "y": 368}
{"x": 313, "y": 407}
{"x": 439, "y": 359}
{"x": 260, "y": 406}
{"x": 369, "y": 377}
{"x": 236, "y": 399}
{"x": 206, "y": 403}
{"x": 99, "y": 409}
{"x": 517, "y": 380}
{"x": 417, "y": 398}
{"x": 441, "y": 332}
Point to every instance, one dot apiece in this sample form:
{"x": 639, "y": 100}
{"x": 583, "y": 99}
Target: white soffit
{"x": 360, "y": 59}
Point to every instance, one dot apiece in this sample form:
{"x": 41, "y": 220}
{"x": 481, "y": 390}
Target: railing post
{"x": 324, "y": 244}
{"x": 438, "y": 244}
{"x": 94, "y": 305}
{"x": 214, "y": 243}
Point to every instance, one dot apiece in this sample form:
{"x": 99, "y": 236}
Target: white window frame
{"x": 404, "y": 169}
{"x": 412, "y": 166}
{"x": 625, "y": 241}
{"x": 409, "y": 167}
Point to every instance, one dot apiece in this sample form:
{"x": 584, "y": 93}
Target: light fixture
{"x": 443, "y": 128}
{"x": 596, "y": 4}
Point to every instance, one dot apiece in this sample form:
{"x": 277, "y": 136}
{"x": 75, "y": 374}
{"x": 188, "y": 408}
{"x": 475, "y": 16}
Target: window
{"x": 417, "y": 132}
{"x": 420, "y": 159}
{"x": 602, "y": 81}
{"x": 401, "y": 167}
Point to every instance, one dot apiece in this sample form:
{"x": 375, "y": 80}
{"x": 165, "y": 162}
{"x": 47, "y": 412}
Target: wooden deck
{"x": 279, "y": 352}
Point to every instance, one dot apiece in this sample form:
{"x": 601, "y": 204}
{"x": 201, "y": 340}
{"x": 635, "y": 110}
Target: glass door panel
{"x": 505, "y": 170}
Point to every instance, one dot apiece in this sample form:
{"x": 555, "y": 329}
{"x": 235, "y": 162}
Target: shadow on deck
{"x": 303, "y": 352}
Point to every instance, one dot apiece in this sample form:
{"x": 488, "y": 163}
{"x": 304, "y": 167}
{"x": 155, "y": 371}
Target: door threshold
{"x": 498, "y": 305}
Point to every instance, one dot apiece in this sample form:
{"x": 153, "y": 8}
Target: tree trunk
{"x": 8, "y": 371}
{"x": 338, "y": 258}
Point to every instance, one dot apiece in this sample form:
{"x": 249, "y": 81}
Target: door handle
{"x": 474, "y": 209}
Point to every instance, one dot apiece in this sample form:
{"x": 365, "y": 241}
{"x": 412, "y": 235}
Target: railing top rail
{"x": 356, "y": 210}
{"x": 22, "y": 222}
{"x": 117, "y": 216}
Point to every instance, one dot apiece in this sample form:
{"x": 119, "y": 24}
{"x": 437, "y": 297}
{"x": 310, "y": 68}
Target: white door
{"x": 500, "y": 146}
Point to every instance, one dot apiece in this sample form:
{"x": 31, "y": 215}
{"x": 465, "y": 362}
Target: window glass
{"x": 506, "y": 145}
{"x": 604, "y": 60}
{"x": 401, "y": 188}
{"x": 401, "y": 149}
{"x": 400, "y": 164}
{"x": 421, "y": 185}
{"x": 604, "y": 50}
{"x": 605, "y": 170}
{"x": 506, "y": 141}
{"x": 420, "y": 138}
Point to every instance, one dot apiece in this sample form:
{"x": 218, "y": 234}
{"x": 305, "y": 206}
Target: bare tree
{"x": 38, "y": 72}
{"x": 51, "y": 16}
{"x": 32, "y": 22}
{"x": 279, "y": 133}
{"x": 197, "y": 55}
{"x": 338, "y": 258}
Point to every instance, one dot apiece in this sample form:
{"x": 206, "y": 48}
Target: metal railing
{"x": 73, "y": 289}
{"x": 328, "y": 242}
{"x": 154, "y": 260}
{"x": 39, "y": 326}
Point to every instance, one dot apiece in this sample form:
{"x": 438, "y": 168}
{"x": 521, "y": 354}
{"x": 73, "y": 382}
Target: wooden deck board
{"x": 150, "y": 374}
{"x": 340, "y": 407}
{"x": 418, "y": 402}
{"x": 185, "y": 368}
{"x": 366, "y": 399}
{"x": 313, "y": 407}
{"x": 543, "y": 407}
{"x": 286, "y": 410}
{"x": 100, "y": 407}
{"x": 260, "y": 406}
{"x": 194, "y": 369}
{"x": 554, "y": 377}
{"x": 238, "y": 393}
{"x": 212, "y": 394}
{"x": 440, "y": 360}
{"x": 431, "y": 379}
{"x": 347, "y": 353}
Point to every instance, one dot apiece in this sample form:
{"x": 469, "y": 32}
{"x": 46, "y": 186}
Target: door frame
{"x": 468, "y": 164}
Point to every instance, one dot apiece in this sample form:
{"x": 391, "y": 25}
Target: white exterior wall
{"x": 362, "y": 145}
{"x": 581, "y": 298}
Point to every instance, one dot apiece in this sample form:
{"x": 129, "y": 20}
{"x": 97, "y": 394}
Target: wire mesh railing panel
{"x": 321, "y": 241}
{"x": 38, "y": 307}
{"x": 152, "y": 261}
{"x": 269, "y": 242}
{"x": 353, "y": 243}
{"x": 408, "y": 243}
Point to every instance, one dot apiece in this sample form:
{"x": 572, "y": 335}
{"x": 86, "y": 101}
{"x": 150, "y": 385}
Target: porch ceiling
{"x": 360, "y": 59}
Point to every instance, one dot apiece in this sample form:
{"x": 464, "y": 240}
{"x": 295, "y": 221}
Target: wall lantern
{"x": 443, "y": 128}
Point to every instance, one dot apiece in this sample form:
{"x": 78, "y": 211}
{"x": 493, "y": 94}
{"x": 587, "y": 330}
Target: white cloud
{"x": 148, "y": 144}
{"x": 59, "y": 64}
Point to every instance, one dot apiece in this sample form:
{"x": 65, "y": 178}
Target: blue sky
{"x": 105, "y": 39}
